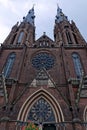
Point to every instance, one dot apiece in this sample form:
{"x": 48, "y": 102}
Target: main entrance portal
{"x": 43, "y": 110}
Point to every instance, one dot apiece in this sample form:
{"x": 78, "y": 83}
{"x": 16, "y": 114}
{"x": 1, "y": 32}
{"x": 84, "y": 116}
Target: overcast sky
{"x": 12, "y": 11}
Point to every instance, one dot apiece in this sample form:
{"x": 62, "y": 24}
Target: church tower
{"x": 43, "y": 81}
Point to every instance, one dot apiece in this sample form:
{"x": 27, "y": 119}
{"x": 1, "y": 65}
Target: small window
{"x": 13, "y": 38}
{"x": 43, "y": 44}
{"x": 77, "y": 65}
{"x": 20, "y": 37}
{"x": 9, "y": 64}
{"x": 68, "y": 37}
{"x": 66, "y": 26}
{"x": 75, "y": 38}
{"x": 35, "y": 46}
{"x": 40, "y": 44}
{"x": 55, "y": 37}
{"x": 52, "y": 45}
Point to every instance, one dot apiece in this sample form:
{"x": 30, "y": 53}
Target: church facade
{"x": 43, "y": 81}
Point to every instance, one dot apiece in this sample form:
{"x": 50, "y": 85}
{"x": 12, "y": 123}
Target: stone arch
{"x": 85, "y": 114}
{"x": 41, "y": 93}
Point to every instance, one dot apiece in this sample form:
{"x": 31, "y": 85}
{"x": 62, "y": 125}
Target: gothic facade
{"x": 43, "y": 80}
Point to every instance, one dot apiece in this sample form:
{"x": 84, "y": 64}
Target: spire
{"x": 30, "y": 16}
{"x": 60, "y": 16}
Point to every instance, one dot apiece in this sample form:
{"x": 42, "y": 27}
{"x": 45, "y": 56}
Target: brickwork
{"x": 62, "y": 96}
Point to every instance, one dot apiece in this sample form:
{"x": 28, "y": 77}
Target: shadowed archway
{"x": 41, "y": 106}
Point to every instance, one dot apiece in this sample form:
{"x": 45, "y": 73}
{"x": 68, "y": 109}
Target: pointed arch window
{"x": 77, "y": 65}
{"x": 41, "y": 111}
{"x": 75, "y": 38}
{"x": 9, "y": 64}
{"x": 13, "y": 38}
{"x": 43, "y": 44}
{"x": 20, "y": 37}
{"x": 68, "y": 37}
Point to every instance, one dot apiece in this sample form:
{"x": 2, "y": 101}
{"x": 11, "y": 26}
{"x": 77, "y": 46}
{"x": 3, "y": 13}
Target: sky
{"x": 12, "y": 11}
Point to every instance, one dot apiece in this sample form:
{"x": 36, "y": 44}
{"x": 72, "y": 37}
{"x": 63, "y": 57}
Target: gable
{"x": 44, "y": 41}
{"x": 42, "y": 79}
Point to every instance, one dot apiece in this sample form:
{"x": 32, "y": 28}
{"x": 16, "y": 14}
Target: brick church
{"x": 43, "y": 81}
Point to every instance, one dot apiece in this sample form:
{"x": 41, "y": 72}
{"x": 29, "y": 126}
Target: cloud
{"x": 8, "y": 5}
{"x": 3, "y": 33}
{"x": 12, "y": 11}
{"x": 4, "y": 3}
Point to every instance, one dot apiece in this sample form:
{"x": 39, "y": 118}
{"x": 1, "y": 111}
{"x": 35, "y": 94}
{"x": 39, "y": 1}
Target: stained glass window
{"x": 9, "y": 64}
{"x": 43, "y": 60}
{"x": 77, "y": 65}
{"x": 20, "y": 37}
{"x": 41, "y": 111}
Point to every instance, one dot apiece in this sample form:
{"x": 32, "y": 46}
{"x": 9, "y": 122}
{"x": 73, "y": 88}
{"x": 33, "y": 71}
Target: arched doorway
{"x": 42, "y": 107}
{"x": 41, "y": 111}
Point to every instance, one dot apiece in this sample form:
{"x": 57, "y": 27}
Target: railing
{"x": 66, "y": 125}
